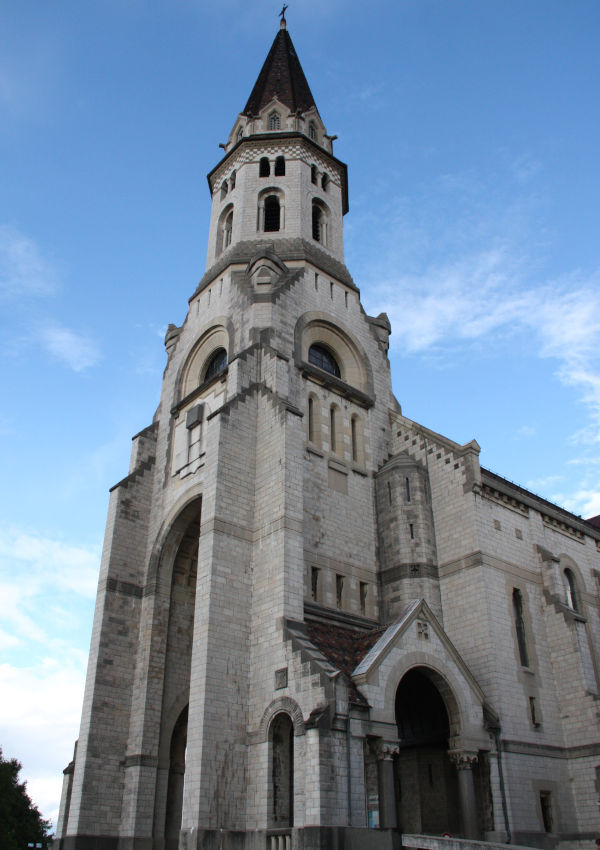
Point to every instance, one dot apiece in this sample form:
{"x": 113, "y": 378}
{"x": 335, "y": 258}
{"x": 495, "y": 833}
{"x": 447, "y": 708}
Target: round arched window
{"x": 216, "y": 364}
{"x": 320, "y": 356}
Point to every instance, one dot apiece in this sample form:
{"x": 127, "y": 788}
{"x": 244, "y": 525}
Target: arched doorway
{"x": 282, "y": 771}
{"x": 426, "y": 780}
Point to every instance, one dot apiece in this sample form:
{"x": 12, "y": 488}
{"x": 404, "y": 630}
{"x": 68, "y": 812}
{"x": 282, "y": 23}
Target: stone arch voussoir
{"x": 280, "y": 705}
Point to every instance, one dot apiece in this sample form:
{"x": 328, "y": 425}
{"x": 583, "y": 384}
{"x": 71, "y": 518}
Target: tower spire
{"x": 282, "y": 77}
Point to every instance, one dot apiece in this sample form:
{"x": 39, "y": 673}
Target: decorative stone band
{"x": 462, "y": 759}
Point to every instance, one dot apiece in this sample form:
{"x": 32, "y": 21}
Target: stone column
{"x": 464, "y": 762}
{"x": 388, "y": 817}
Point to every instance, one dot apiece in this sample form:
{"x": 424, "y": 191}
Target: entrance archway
{"x": 427, "y": 791}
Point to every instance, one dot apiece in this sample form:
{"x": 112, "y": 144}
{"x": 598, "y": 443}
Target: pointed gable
{"x": 281, "y": 77}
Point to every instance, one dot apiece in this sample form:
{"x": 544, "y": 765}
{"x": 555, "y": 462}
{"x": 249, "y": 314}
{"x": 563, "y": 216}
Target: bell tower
{"x": 279, "y": 179}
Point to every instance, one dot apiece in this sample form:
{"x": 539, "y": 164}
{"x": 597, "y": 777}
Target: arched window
{"x": 313, "y": 174}
{"x": 223, "y": 189}
{"x": 232, "y": 180}
{"x": 224, "y": 229}
{"x": 272, "y": 213}
{"x": 570, "y": 589}
{"x": 280, "y": 166}
{"x": 216, "y": 364}
{"x": 517, "y": 600}
{"x": 312, "y": 131}
{"x": 274, "y": 120}
{"x": 240, "y": 134}
{"x": 282, "y": 771}
{"x": 265, "y": 167}
{"x": 324, "y": 182}
{"x": 320, "y": 356}
{"x": 317, "y": 223}
{"x": 227, "y": 228}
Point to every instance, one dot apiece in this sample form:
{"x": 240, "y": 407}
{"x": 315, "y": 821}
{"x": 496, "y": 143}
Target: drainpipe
{"x": 502, "y": 788}
{"x": 349, "y": 767}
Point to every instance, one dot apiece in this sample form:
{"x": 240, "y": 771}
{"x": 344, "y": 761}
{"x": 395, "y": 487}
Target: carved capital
{"x": 462, "y": 759}
{"x": 386, "y": 750}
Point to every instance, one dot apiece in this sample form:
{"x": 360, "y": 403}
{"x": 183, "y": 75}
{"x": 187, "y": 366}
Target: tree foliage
{"x": 21, "y": 823}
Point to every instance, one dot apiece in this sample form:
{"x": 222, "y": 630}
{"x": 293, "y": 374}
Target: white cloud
{"x": 42, "y": 560}
{"x": 526, "y": 431}
{"x": 39, "y": 720}
{"x": 24, "y": 271}
{"x": 75, "y": 350}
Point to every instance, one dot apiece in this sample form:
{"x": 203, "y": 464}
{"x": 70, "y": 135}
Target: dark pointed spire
{"x": 281, "y": 77}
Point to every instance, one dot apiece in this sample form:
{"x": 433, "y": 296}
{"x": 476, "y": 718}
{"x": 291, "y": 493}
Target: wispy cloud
{"x": 24, "y": 271}
{"x": 70, "y": 347}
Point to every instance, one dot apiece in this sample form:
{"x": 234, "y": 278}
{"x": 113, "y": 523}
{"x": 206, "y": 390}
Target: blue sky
{"x": 471, "y": 131}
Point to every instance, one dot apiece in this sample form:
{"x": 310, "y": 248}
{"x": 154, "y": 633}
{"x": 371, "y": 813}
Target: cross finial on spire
{"x": 282, "y": 16}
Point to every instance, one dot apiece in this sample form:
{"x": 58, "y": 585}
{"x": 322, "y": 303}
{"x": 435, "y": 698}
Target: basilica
{"x": 320, "y": 624}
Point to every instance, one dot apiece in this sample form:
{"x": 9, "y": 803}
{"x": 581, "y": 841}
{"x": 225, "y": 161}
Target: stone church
{"x": 320, "y": 624}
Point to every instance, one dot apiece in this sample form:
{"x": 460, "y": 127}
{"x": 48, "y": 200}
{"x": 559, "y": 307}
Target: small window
{"x": 407, "y": 489}
{"x": 280, "y": 166}
{"x": 546, "y": 808}
{"x": 272, "y": 213}
{"x": 311, "y": 419}
{"x": 354, "y": 435}
{"x": 312, "y": 131}
{"x": 517, "y": 600}
{"x": 324, "y": 182}
{"x": 333, "y": 429}
{"x": 223, "y": 189}
{"x": 274, "y": 121}
{"x": 313, "y": 174}
{"x": 324, "y": 359}
{"x": 339, "y": 590}
{"x": 314, "y": 583}
{"x": 232, "y": 180}
{"x": 240, "y": 134}
{"x": 363, "y": 588}
{"x": 570, "y": 589}
{"x": 216, "y": 364}
{"x": 264, "y": 169}
{"x": 533, "y": 713}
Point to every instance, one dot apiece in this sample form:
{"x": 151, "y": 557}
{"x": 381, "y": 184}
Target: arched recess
{"x": 573, "y": 584}
{"x": 314, "y": 421}
{"x": 321, "y": 218}
{"x": 176, "y": 775}
{"x": 281, "y": 771}
{"x": 427, "y": 792}
{"x": 173, "y": 571}
{"x": 218, "y": 335}
{"x": 224, "y": 229}
{"x": 270, "y": 213}
{"x": 317, "y": 329}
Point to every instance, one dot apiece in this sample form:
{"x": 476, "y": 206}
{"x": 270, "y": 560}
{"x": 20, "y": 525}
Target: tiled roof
{"x": 345, "y": 648}
{"x": 281, "y": 77}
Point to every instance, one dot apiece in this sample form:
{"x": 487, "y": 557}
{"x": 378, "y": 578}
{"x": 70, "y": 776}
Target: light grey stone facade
{"x": 319, "y": 623}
